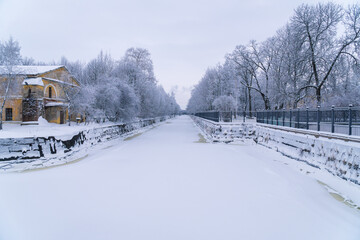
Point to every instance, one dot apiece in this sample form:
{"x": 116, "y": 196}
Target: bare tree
{"x": 254, "y": 64}
{"x": 317, "y": 27}
{"x": 239, "y": 57}
{"x": 10, "y": 57}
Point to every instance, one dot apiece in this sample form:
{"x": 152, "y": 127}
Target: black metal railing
{"x": 213, "y": 116}
{"x": 227, "y": 116}
{"x": 334, "y": 120}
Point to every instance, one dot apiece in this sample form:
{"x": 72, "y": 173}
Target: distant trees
{"x": 313, "y": 60}
{"x": 225, "y": 104}
{"x": 116, "y": 90}
{"x": 120, "y": 90}
{"x": 316, "y": 26}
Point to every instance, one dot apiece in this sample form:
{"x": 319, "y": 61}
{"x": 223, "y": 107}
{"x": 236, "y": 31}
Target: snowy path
{"x": 164, "y": 185}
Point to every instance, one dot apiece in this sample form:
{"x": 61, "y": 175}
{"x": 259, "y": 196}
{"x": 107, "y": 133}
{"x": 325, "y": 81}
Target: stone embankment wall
{"x": 49, "y": 147}
{"x": 340, "y": 155}
{"x": 224, "y": 132}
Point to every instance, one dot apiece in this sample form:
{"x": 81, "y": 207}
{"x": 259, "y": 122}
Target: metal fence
{"x": 334, "y": 120}
{"x": 213, "y": 116}
{"x": 227, "y": 116}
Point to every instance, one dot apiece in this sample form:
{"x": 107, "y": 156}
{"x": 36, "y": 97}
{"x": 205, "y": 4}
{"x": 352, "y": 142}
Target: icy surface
{"x": 166, "y": 184}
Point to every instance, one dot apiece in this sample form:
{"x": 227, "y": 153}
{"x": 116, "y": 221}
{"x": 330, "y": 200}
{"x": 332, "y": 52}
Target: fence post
{"x": 244, "y": 116}
{"x": 283, "y": 117}
{"x": 318, "y": 118}
{"x": 307, "y": 118}
{"x": 332, "y": 119}
{"x": 290, "y": 117}
{"x": 350, "y": 119}
{"x": 298, "y": 118}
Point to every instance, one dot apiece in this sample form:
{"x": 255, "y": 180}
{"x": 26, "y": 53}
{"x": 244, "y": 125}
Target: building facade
{"x": 36, "y": 91}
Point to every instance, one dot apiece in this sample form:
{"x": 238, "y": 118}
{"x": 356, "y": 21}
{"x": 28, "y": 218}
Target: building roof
{"x": 33, "y": 81}
{"x": 28, "y": 70}
{"x": 56, "y": 104}
{"x": 61, "y": 82}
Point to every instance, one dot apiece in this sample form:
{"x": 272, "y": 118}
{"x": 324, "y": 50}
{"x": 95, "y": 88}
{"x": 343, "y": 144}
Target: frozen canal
{"x": 166, "y": 184}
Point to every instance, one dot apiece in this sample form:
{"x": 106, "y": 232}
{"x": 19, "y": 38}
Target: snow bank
{"x": 339, "y": 157}
{"x": 224, "y": 132}
{"x": 165, "y": 186}
{"x": 22, "y": 151}
{"x": 43, "y": 122}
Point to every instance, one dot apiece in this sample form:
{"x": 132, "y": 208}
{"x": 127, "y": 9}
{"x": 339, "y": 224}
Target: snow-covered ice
{"x": 168, "y": 184}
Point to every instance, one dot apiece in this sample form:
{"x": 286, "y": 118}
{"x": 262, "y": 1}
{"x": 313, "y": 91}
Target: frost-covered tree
{"x": 97, "y": 68}
{"x": 141, "y": 58}
{"x": 225, "y": 104}
{"x": 317, "y": 26}
{"x": 121, "y": 90}
{"x": 312, "y": 60}
{"x": 10, "y": 57}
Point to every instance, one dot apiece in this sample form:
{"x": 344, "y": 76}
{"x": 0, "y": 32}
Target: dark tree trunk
{"x": 318, "y": 96}
{"x": 250, "y": 104}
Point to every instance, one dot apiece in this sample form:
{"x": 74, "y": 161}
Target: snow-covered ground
{"x": 44, "y": 129}
{"x": 168, "y": 184}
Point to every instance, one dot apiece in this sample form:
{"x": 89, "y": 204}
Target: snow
{"x": 11, "y": 130}
{"x": 339, "y": 154}
{"x": 62, "y": 82}
{"x": 53, "y": 104}
{"x": 43, "y": 122}
{"x": 33, "y": 81}
{"x": 341, "y": 157}
{"x": 164, "y": 184}
{"x": 29, "y": 70}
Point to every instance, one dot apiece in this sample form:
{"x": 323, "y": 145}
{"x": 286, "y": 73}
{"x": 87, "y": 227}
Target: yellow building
{"x": 36, "y": 91}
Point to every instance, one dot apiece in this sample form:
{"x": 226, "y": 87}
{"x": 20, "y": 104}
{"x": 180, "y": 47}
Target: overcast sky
{"x": 184, "y": 37}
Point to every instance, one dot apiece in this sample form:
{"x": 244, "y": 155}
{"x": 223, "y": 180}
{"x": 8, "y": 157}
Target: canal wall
{"x": 336, "y": 153}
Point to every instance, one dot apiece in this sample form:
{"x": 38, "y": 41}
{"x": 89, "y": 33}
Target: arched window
{"x": 50, "y": 92}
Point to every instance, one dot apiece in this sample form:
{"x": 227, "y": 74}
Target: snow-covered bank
{"x": 18, "y": 154}
{"x": 340, "y": 157}
{"x": 45, "y": 129}
{"x": 165, "y": 185}
{"x": 224, "y": 132}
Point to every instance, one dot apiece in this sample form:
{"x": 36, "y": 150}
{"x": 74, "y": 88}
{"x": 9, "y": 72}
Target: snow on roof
{"x": 62, "y": 82}
{"x": 54, "y": 104}
{"x": 33, "y": 81}
{"x": 28, "y": 70}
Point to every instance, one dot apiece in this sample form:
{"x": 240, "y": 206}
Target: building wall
{"x": 18, "y": 91}
{"x": 60, "y": 74}
{"x": 52, "y": 114}
{"x": 16, "y": 105}
{"x": 15, "y": 86}
{"x": 36, "y": 91}
{"x": 57, "y": 90}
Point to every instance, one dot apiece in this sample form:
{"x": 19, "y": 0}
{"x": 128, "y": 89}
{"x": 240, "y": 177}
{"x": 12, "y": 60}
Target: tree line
{"x": 311, "y": 61}
{"x": 116, "y": 90}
